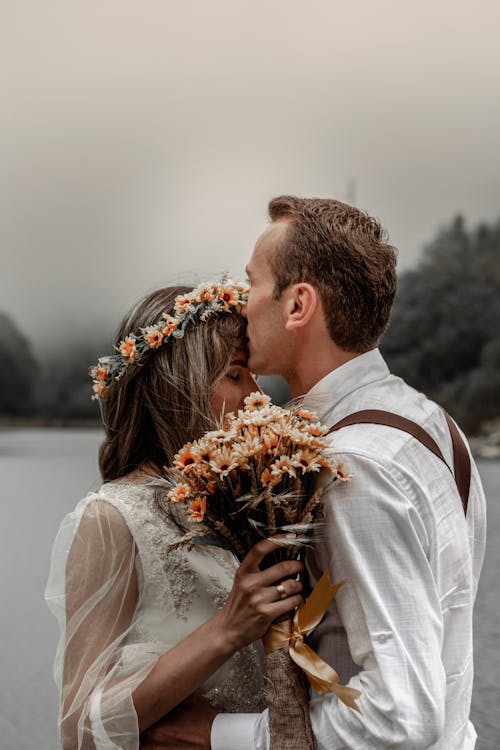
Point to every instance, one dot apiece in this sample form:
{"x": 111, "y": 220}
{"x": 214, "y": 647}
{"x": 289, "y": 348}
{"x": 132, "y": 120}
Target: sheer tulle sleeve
{"x": 93, "y": 590}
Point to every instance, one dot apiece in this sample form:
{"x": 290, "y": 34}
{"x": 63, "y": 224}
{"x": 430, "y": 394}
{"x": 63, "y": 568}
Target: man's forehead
{"x": 267, "y": 241}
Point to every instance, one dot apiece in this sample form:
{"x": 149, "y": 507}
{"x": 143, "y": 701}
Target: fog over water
{"x": 140, "y": 141}
{"x": 44, "y": 474}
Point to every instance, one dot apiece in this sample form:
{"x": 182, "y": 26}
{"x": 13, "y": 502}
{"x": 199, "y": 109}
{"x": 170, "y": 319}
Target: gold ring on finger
{"x": 281, "y": 591}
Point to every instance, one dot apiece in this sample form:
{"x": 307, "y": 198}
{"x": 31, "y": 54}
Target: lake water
{"x": 43, "y": 474}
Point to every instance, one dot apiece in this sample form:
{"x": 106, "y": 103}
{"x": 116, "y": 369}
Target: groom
{"x": 400, "y": 630}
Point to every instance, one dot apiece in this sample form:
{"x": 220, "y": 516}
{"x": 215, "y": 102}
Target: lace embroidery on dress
{"x": 216, "y": 591}
{"x": 243, "y": 689}
{"x": 171, "y": 582}
{"x": 182, "y": 580}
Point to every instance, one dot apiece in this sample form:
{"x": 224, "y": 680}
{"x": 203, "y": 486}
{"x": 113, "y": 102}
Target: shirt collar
{"x": 358, "y": 372}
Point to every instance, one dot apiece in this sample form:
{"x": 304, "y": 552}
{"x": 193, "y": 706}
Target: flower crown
{"x": 205, "y": 300}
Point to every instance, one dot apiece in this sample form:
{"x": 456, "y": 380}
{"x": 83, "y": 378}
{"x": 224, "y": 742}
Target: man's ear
{"x": 301, "y": 305}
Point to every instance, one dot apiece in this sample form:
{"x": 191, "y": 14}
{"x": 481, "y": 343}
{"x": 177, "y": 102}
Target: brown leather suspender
{"x": 461, "y": 460}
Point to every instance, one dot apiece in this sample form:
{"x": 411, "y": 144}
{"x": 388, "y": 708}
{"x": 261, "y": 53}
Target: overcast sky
{"x": 141, "y": 141}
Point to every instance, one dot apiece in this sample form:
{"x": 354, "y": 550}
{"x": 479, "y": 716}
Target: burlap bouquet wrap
{"x": 288, "y": 661}
{"x": 287, "y": 697}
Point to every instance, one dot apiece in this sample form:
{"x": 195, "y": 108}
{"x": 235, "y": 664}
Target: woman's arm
{"x": 100, "y": 599}
{"x": 101, "y": 592}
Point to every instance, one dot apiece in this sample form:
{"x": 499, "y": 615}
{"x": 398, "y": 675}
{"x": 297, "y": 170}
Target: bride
{"x": 142, "y": 632}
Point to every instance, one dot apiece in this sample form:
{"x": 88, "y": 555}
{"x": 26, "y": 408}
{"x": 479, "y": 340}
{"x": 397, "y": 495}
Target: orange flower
{"x": 186, "y": 459}
{"x": 182, "y": 303}
{"x": 100, "y": 389}
{"x": 283, "y": 466}
{"x": 228, "y": 296}
{"x": 102, "y": 373}
{"x": 154, "y": 337}
{"x": 267, "y": 478}
{"x": 310, "y": 416}
{"x": 247, "y": 448}
{"x": 270, "y": 440}
{"x": 206, "y": 294}
{"x": 315, "y": 429}
{"x": 171, "y": 325}
{"x": 128, "y": 349}
{"x": 180, "y": 493}
{"x": 197, "y": 509}
{"x": 256, "y": 401}
{"x": 309, "y": 460}
{"x": 341, "y": 474}
{"x": 224, "y": 462}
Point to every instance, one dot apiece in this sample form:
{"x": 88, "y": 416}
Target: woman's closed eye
{"x": 234, "y": 374}
{"x": 235, "y": 370}
{"x": 229, "y": 393}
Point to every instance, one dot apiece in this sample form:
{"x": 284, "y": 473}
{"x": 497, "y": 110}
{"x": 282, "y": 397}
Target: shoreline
{"x": 34, "y": 423}
{"x": 484, "y": 445}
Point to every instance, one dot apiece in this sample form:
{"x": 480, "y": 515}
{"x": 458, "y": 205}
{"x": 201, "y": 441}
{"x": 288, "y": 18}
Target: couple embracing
{"x": 164, "y": 651}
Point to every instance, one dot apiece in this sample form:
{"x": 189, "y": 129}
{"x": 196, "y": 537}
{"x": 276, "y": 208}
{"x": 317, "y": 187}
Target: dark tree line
{"x": 18, "y": 371}
{"x": 444, "y": 335}
{"x": 444, "y": 339}
{"x": 57, "y": 391}
{"x": 64, "y": 391}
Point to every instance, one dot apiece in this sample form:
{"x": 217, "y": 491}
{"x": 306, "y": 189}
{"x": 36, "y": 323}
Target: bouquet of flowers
{"x": 252, "y": 479}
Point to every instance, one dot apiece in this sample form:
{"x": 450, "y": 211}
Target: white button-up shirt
{"x": 400, "y": 629}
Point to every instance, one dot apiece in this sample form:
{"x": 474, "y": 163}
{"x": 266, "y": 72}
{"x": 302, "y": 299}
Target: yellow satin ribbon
{"x": 290, "y": 634}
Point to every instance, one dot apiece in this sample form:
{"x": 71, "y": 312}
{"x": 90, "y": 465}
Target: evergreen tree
{"x": 18, "y": 370}
{"x": 444, "y": 333}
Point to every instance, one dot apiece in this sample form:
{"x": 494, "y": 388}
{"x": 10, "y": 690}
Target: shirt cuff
{"x": 231, "y": 731}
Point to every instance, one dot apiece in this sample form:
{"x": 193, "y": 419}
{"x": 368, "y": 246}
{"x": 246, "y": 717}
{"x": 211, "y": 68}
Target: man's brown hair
{"x": 344, "y": 254}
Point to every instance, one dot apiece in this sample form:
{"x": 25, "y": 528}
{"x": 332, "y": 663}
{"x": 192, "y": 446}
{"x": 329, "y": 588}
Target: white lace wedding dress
{"x": 121, "y": 603}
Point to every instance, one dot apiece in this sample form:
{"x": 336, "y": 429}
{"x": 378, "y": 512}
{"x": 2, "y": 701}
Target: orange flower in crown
{"x": 171, "y": 325}
{"x": 228, "y": 295}
{"x": 182, "y": 304}
{"x": 205, "y": 300}
{"x": 128, "y": 349}
{"x": 207, "y": 293}
{"x": 100, "y": 374}
{"x": 100, "y": 389}
{"x": 153, "y": 336}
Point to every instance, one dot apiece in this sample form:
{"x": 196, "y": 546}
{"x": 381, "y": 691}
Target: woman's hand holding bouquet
{"x": 254, "y": 602}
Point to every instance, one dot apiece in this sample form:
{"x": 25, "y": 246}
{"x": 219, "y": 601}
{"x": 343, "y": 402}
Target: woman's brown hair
{"x": 165, "y": 400}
